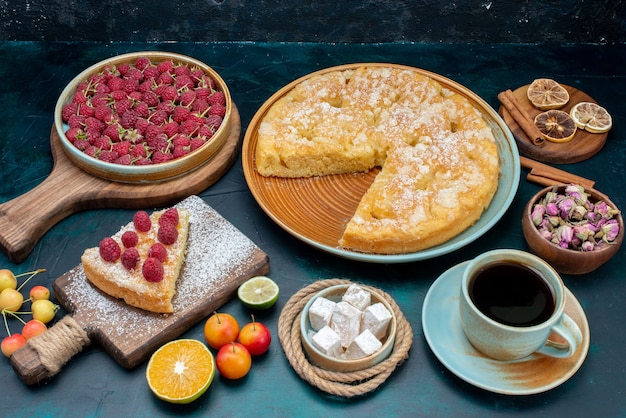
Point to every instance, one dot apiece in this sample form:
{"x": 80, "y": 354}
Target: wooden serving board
{"x": 219, "y": 259}
{"x": 69, "y": 189}
{"x": 584, "y": 145}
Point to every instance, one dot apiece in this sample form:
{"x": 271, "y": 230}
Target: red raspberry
{"x": 143, "y": 161}
{"x": 181, "y": 140}
{"x": 123, "y": 68}
{"x": 165, "y": 67}
{"x": 142, "y": 125}
{"x": 170, "y": 216}
{"x": 124, "y": 160}
{"x": 183, "y": 81}
{"x": 203, "y": 92}
{"x": 200, "y": 105}
{"x": 151, "y": 98}
{"x": 76, "y": 121}
{"x": 110, "y": 250}
{"x": 102, "y": 142}
{"x": 214, "y": 121}
{"x": 196, "y": 143}
{"x": 103, "y": 112}
{"x": 75, "y": 134}
{"x": 158, "y": 251}
{"x": 142, "y": 109}
{"x": 167, "y": 234}
{"x": 142, "y": 63}
{"x": 130, "y": 85}
{"x": 94, "y": 124}
{"x": 217, "y": 98}
{"x": 180, "y": 151}
{"x": 180, "y": 114}
{"x": 113, "y": 132}
{"x": 188, "y": 127}
{"x": 138, "y": 150}
{"x": 142, "y": 221}
{"x": 134, "y": 74}
{"x": 160, "y": 156}
{"x": 115, "y": 83}
{"x": 81, "y": 144}
{"x": 170, "y": 129}
{"x": 206, "y": 132}
{"x": 118, "y": 95}
{"x": 217, "y": 109}
{"x": 130, "y": 258}
{"x": 165, "y": 79}
{"x": 68, "y": 110}
{"x": 130, "y": 239}
{"x": 152, "y": 270}
{"x": 108, "y": 156}
{"x": 150, "y": 72}
{"x": 158, "y": 117}
{"x": 129, "y": 119}
{"x": 146, "y": 86}
{"x": 122, "y": 148}
{"x": 181, "y": 70}
{"x": 187, "y": 98}
{"x": 123, "y": 105}
{"x": 169, "y": 93}
{"x": 79, "y": 97}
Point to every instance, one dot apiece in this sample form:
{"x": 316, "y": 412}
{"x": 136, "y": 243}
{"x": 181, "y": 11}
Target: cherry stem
{"x": 32, "y": 274}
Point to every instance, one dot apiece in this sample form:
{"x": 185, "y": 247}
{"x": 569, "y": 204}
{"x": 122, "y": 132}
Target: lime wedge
{"x": 259, "y": 292}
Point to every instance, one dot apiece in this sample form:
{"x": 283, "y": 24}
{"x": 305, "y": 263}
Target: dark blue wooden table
{"x": 92, "y": 384}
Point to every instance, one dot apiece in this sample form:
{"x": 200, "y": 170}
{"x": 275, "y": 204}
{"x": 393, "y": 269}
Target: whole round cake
{"x": 438, "y": 155}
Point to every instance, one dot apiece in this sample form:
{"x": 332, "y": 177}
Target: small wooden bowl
{"x": 563, "y": 260}
{"x": 330, "y": 363}
{"x": 146, "y": 173}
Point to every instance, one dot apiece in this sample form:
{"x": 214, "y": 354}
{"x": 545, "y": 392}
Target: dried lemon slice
{"x": 591, "y": 117}
{"x": 556, "y": 125}
{"x": 546, "y": 94}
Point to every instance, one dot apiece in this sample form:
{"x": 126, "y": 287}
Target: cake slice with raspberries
{"x": 141, "y": 263}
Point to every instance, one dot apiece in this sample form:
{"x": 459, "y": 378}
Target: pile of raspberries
{"x": 143, "y": 112}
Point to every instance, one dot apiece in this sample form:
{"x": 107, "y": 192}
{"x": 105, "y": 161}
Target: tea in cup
{"x": 511, "y": 301}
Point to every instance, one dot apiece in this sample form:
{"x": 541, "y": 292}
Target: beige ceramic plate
{"x": 316, "y": 210}
{"x": 536, "y": 373}
{"x": 146, "y": 173}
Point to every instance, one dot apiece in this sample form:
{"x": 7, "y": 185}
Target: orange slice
{"x": 180, "y": 371}
{"x": 556, "y": 125}
{"x": 546, "y": 94}
{"x": 591, "y": 117}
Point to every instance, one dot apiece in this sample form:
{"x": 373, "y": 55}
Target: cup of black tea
{"x": 511, "y": 301}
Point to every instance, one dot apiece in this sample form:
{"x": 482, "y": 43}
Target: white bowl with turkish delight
{"x": 347, "y": 327}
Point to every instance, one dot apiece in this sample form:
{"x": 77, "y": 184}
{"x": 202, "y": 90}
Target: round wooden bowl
{"x": 330, "y": 363}
{"x": 564, "y": 260}
{"x": 145, "y": 173}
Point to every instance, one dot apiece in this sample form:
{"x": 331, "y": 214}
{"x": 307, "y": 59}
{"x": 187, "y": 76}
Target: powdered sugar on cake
{"x": 215, "y": 250}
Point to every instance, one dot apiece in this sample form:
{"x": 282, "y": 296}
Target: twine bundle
{"x": 338, "y": 383}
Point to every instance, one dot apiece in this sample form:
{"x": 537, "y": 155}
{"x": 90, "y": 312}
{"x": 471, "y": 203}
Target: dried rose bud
{"x": 611, "y": 230}
{"x": 537, "y": 215}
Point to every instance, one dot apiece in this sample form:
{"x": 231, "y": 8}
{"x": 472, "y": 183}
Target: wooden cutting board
{"x": 584, "y": 145}
{"x": 69, "y": 189}
{"x": 219, "y": 259}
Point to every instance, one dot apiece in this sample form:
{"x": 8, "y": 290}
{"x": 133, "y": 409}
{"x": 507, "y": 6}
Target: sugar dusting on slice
{"x": 216, "y": 250}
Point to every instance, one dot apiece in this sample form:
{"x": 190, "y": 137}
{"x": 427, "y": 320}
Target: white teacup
{"x": 511, "y": 301}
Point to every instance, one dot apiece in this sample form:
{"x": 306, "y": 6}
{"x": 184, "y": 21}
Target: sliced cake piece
{"x": 141, "y": 263}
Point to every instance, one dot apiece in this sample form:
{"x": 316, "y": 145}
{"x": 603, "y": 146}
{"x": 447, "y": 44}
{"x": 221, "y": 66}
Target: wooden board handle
{"x": 25, "y": 219}
{"x": 44, "y": 355}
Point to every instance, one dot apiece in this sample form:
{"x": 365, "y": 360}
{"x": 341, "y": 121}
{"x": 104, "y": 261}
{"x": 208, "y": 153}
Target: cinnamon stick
{"x": 521, "y": 117}
{"x": 547, "y": 175}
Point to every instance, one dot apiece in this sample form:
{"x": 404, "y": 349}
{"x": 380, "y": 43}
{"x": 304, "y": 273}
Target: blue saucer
{"x": 536, "y": 373}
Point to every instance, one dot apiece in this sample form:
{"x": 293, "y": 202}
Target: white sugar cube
{"x": 328, "y": 342}
{"x": 346, "y": 321}
{"x": 363, "y": 345}
{"x": 357, "y": 297}
{"x": 320, "y": 313}
{"x": 376, "y": 318}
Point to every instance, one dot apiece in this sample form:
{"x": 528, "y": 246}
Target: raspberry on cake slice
{"x": 141, "y": 263}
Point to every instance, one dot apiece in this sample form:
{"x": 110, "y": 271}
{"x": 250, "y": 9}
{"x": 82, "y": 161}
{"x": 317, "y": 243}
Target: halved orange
{"x": 591, "y": 117}
{"x": 556, "y": 125}
{"x": 180, "y": 371}
{"x": 546, "y": 94}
